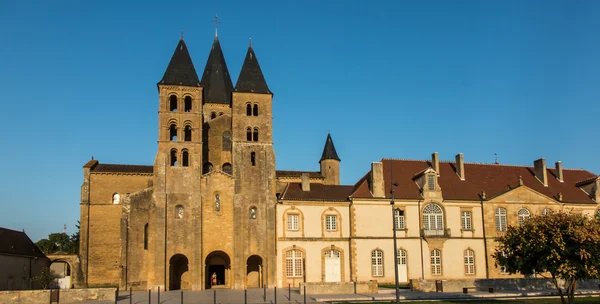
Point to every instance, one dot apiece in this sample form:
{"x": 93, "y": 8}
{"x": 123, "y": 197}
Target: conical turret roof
{"x": 216, "y": 80}
{"x": 329, "y": 150}
{"x": 180, "y": 70}
{"x": 251, "y": 78}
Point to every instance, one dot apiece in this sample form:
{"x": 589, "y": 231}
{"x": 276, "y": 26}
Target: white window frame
{"x": 501, "y": 224}
{"x": 401, "y": 255}
{"x": 469, "y": 261}
{"x": 431, "y": 182}
{"x": 331, "y": 222}
{"x": 524, "y": 215}
{"x": 466, "y": 220}
{"x": 294, "y": 264}
{"x": 433, "y": 220}
{"x": 377, "y": 263}
{"x": 399, "y": 222}
{"x": 436, "y": 262}
{"x": 546, "y": 211}
{"x": 292, "y": 222}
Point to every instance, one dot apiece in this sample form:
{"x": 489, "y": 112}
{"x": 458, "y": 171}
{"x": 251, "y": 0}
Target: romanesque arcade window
{"x": 501, "y": 220}
{"x": 252, "y": 213}
{"x": 248, "y": 134}
{"x": 227, "y": 168}
{"x": 469, "y": 261}
{"x": 377, "y": 263}
{"x": 255, "y": 134}
{"x": 208, "y": 167}
{"x": 217, "y": 202}
{"x": 179, "y": 212}
{"x": 187, "y": 133}
{"x": 398, "y": 219}
{"x": 433, "y": 220}
{"x": 436, "y": 262}
{"x": 213, "y": 115}
{"x": 173, "y": 132}
{"x": 253, "y": 158}
{"x": 185, "y": 158}
{"x": 255, "y": 110}
{"x": 146, "y": 237}
{"x": 187, "y": 104}
{"x": 248, "y": 109}
{"x": 116, "y": 198}
{"x": 523, "y": 214}
{"x": 173, "y": 103}
{"x": 173, "y": 158}
{"x": 293, "y": 263}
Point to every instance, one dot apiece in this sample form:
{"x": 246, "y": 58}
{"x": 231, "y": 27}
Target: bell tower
{"x": 330, "y": 163}
{"x": 254, "y": 171}
{"x": 177, "y": 169}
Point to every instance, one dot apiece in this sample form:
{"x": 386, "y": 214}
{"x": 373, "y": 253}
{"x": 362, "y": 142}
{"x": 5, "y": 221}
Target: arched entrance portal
{"x": 254, "y": 271}
{"x": 178, "y": 266}
{"x": 62, "y": 273}
{"x": 218, "y": 268}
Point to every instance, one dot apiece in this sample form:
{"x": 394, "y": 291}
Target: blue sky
{"x": 387, "y": 78}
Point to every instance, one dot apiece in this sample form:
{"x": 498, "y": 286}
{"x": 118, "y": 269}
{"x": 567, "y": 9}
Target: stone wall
{"x": 66, "y": 296}
{"x": 369, "y": 287}
{"x": 497, "y": 284}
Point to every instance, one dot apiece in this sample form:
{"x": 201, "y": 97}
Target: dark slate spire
{"x": 329, "y": 150}
{"x": 251, "y": 77}
{"x": 215, "y": 79}
{"x": 181, "y": 70}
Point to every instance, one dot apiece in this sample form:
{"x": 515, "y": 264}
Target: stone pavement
{"x": 255, "y": 296}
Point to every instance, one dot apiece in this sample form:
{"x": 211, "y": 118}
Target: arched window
{"x": 146, "y": 237}
{"x": 248, "y": 109}
{"x": 255, "y": 136}
{"x": 255, "y": 110}
{"x": 173, "y": 132}
{"x": 469, "y": 261}
{"x": 500, "y": 219}
{"x": 436, "y": 262}
{"x": 252, "y": 213}
{"x": 546, "y": 211}
{"x": 523, "y": 214}
{"x": 377, "y": 263}
{"x": 179, "y": 212}
{"x": 213, "y": 115}
{"x": 220, "y": 113}
{"x": 185, "y": 158}
{"x": 173, "y": 157}
{"x": 208, "y": 167}
{"x": 293, "y": 263}
{"x": 227, "y": 168}
{"x": 253, "y": 158}
{"x": 398, "y": 219}
{"x": 173, "y": 103}
{"x": 187, "y": 133}
{"x": 226, "y": 141}
{"x": 217, "y": 202}
{"x": 248, "y": 134}
{"x": 433, "y": 220}
{"x": 187, "y": 104}
{"x": 116, "y": 198}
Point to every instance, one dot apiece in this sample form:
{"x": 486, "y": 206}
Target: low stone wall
{"x": 339, "y": 287}
{"x": 497, "y": 284}
{"x": 66, "y": 296}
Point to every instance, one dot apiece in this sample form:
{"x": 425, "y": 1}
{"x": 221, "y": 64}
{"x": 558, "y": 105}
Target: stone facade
{"x": 213, "y": 211}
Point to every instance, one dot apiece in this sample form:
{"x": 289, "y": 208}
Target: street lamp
{"x": 395, "y": 245}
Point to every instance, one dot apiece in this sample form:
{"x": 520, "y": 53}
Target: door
{"x": 332, "y": 266}
{"x": 402, "y": 271}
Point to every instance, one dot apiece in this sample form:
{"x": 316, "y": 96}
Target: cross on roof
{"x": 216, "y": 21}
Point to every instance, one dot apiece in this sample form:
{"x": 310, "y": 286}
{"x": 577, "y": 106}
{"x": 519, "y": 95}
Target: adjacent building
{"x": 20, "y": 260}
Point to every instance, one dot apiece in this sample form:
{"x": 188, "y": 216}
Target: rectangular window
{"x": 431, "y": 182}
{"x": 466, "y": 220}
{"x": 292, "y": 222}
{"x": 331, "y": 222}
{"x": 501, "y": 220}
{"x": 399, "y": 219}
{"x": 469, "y": 262}
{"x": 436, "y": 262}
{"x": 377, "y": 263}
{"x": 293, "y": 264}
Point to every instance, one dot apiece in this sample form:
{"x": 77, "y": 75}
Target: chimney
{"x": 435, "y": 162}
{"x": 539, "y": 167}
{"x": 597, "y": 191}
{"x": 559, "y": 172}
{"x": 377, "y": 183}
{"x": 460, "y": 166}
{"x": 305, "y": 182}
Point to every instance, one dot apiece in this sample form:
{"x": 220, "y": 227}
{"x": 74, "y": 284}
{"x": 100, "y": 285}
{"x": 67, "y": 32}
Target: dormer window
{"x": 431, "y": 182}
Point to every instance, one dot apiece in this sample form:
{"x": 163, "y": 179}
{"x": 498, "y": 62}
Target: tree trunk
{"x": 562, "y": 296}
{"x": 571, "y": 290}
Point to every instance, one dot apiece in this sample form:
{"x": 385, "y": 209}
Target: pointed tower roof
{"x": 251, "y": 78}
{"x": 215, "y": 79}
{"x": 329, "y": 150}
{"x": 180, "y": 70}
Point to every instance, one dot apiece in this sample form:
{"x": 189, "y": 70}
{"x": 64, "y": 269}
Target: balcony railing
{"x": 435, "y": 233}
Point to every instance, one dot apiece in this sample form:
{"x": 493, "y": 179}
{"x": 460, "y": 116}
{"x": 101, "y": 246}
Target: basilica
{"x": 213, "y": 211}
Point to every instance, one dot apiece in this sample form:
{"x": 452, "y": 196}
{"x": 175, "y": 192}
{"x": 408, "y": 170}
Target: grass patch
{"x": 392, "y": 286}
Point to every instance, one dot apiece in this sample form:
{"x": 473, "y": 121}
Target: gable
{"x": 524, "y": 194}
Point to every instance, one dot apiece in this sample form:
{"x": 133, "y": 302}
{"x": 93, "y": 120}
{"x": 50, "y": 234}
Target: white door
{"x": 332, "y": 266}
{"x": 402, "y": 272}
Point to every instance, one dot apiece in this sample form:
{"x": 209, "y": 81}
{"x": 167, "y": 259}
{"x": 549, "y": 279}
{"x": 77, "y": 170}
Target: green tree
{"x": 60, "y": 242}
{"x": 44, "y": 279}
{"x": 562, "y": 247}
{"x": 46, "y": 246}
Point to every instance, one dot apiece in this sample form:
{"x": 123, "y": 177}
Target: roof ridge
{"x": 12, "y": 230}
{"x": 478, "y": 163}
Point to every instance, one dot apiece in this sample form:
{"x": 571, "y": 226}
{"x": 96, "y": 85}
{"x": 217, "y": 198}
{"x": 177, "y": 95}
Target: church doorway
{"x": 218, "y": 268}
{"x": 254, "y": 271}
{"x": 178, "y": 266}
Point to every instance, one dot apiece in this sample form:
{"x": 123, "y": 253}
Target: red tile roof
{"x": 318, "y": 192}
{"x": 297, "y": 174}
{"x": 492, "y": 178}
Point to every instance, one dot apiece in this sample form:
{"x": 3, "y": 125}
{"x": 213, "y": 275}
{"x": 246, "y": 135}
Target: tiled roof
{"x": 116, "y": 168}
{"x": 297, "y": 174}
{"x": 181, "y": 70}
{"x": 318, "y": 192}
{"x": 251, "y": 78}
{"x": 18, "y": 243}
{"x": 492, "y": 178}
{"x": 329, "y": 149}
{"x": 216, "y": 81}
